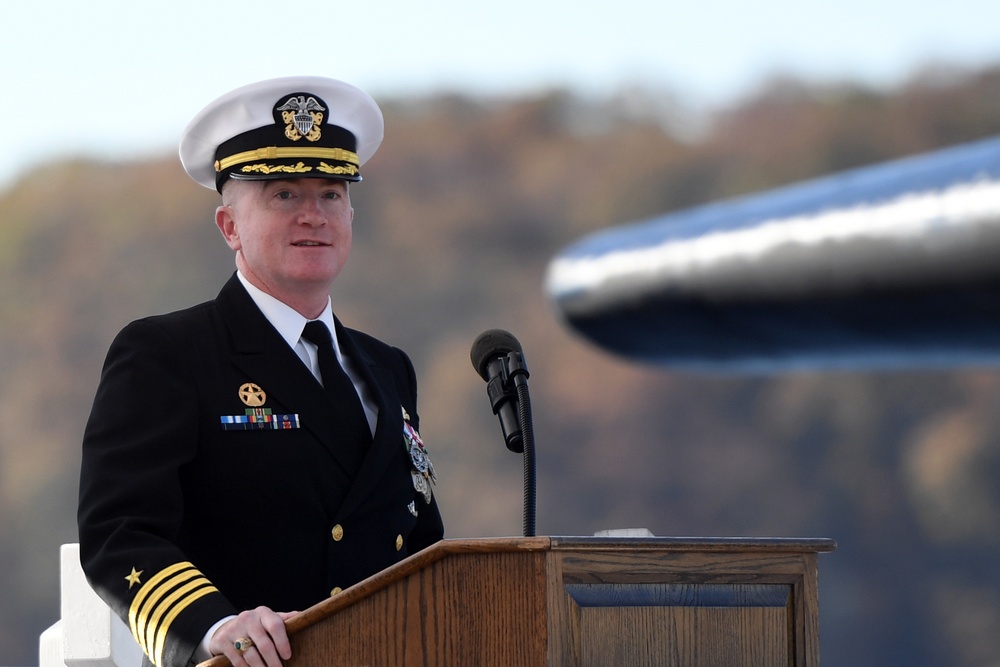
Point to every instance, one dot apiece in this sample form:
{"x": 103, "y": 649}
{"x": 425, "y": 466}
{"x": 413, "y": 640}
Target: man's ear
{"x": 226, "y": 223}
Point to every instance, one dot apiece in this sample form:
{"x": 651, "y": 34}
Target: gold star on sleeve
{"x": 133, "y": 578}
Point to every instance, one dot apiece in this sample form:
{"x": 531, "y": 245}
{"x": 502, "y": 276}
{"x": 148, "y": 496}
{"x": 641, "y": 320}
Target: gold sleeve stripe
{"x": 161, "y": 634}
{"x": 182, "y": 597}
{"x": 150, "y": 588}
{"x": 164, "y": 596}
{"x": 274, "y": 152}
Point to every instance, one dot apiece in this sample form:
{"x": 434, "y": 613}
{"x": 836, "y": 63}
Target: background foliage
{"x": 457, "y": 218}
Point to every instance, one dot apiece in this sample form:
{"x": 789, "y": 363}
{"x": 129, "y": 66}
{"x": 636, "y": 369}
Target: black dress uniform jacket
{"x": 183, "y": 522}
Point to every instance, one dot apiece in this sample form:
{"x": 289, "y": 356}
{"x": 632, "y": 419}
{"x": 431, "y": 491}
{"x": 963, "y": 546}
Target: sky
{"x": 120, "y": 80}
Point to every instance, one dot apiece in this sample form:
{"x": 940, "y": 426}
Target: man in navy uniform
{"x": 250, "y": 456}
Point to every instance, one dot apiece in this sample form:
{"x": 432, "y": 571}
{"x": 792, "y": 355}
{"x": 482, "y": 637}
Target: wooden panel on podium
{"x": 576, "y": 602}
{"x": 691, "y": 602}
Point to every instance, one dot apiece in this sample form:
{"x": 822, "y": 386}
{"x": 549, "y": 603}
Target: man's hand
{"x": 264, "y": 628}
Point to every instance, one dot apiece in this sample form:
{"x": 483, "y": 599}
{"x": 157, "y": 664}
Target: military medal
{"x": 423, "y": 470}
{"x": 421, "y": 485}
{"x": 418, "y": 456}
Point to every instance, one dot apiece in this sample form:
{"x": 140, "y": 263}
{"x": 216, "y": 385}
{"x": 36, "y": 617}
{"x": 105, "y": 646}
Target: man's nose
{"x": 311, "y": 212}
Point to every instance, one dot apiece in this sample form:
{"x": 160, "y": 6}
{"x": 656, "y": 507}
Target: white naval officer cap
{"x": 291, "y": 127}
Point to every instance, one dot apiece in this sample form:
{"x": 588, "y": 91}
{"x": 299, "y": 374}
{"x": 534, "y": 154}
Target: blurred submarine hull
{"x": 891, "y": 266}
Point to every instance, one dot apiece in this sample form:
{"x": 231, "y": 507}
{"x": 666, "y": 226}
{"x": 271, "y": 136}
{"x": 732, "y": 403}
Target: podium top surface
{"x": 788, "y": 544}
{"x": 570, "y": 542}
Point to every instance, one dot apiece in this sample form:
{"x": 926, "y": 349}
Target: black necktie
{"x": 339, "y": 386}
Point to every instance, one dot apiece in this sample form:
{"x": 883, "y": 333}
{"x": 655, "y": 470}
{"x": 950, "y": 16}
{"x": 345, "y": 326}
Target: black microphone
{"x": 496, "y": 356}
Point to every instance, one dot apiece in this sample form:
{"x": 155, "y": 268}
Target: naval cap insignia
{"x": 252, "y": 395}
{"x": 302, "y": 116}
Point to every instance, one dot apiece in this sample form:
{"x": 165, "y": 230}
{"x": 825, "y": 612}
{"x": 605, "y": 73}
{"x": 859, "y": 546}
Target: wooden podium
{"x": 575, "y": 601}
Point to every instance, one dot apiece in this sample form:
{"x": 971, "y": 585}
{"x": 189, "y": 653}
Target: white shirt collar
{"x": 288, "y": 321}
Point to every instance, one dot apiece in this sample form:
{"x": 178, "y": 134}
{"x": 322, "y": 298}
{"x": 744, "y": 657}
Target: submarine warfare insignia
{"x": 302, "y": 117}
{"x": 423, "y": 470}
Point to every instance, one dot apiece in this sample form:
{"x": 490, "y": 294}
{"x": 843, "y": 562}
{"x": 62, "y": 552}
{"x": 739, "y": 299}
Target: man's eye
{"x": 284, "y": 194}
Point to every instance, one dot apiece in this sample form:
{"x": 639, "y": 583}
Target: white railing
{"x": 88, "y": 633}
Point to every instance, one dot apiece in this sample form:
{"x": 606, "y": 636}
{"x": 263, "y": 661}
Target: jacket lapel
{"x": 388, "y": 431}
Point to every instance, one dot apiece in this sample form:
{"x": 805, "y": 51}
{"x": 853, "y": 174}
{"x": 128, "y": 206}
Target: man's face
{"x": 291, "y": 237}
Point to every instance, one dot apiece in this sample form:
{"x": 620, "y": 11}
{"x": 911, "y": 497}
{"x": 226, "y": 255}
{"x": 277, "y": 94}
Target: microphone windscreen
{"x": 490, "y": 345}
